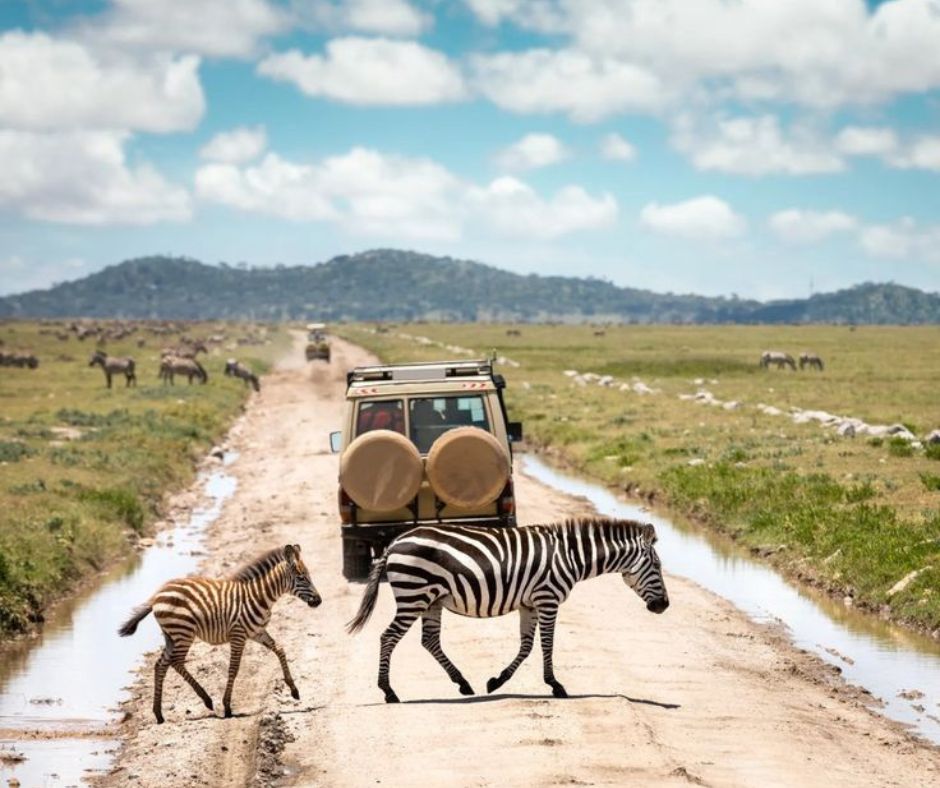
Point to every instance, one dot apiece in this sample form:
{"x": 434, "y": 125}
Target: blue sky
{"x": 751, "y": 147}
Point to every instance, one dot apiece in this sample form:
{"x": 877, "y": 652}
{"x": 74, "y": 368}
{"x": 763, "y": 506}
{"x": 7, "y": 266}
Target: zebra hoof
{"x": 228, "y": 712}
{"x": 209, "y": 704}
{"x": 558, "y": 691}
{"x": 295, "y": 693}
{"x": 391, "y": 697}
{"x": 159, "y": 719}
{"x": 465, "y": 689}
{"x": 494, "y": 684}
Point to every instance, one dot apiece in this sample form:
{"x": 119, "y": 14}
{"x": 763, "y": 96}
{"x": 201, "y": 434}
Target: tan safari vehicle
{"x": 317, "y": 346}
{"x": 422, "y": 443}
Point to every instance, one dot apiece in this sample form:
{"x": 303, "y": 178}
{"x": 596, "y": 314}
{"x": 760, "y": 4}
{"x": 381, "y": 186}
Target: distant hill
{"x": 389, "y": 284}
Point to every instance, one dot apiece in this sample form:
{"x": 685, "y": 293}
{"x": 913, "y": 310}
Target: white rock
{"x": 570, "y": 373}
{"x": 846, "y": 429}
{"x": 696, "y": 461}
{"x": 732, "y": 405}
{"x": 933, "y": 437}
{"x": 904, "y": 582}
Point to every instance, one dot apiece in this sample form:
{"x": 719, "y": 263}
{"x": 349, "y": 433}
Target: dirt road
{"x": 698, "y": 695}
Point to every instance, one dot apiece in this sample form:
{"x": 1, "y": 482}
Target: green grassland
{"x": 854, "y": 515}
{"x": 84, "y": 469}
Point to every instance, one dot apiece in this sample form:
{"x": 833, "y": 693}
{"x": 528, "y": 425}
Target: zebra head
{"x": 301, "y": 586}
{"x": 645, "y": 574}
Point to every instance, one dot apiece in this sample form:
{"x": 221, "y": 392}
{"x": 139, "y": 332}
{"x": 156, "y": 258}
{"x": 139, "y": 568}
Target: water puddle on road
{"x": 58, "y": 693}
{"x": 886, "y": 660}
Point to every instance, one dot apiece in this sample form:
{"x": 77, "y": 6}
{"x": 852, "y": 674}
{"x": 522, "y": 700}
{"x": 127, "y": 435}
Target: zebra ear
{"x": 648, "y": 532}
{"x": 297, "y": 549}
{"x": 290, "y": 553}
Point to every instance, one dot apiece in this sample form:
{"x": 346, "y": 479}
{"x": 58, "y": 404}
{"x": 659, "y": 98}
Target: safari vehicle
{"x": 317, "y": 346}
{"x": 422, "y": 443}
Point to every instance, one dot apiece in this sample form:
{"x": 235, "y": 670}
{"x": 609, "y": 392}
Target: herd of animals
{"x": 780, "y": 359}
{"x": 175, "y": 360}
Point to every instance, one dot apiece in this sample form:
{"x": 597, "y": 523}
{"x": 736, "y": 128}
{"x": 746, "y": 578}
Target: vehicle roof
{"x": 423, "y": 378}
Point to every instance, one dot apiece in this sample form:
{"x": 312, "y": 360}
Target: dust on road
{"x": 698, "y": 695}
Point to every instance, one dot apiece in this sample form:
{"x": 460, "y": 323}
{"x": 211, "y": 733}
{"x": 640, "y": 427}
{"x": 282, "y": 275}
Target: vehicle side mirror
{"x": 336, "y": 442}
{"x": 514, "y": 431}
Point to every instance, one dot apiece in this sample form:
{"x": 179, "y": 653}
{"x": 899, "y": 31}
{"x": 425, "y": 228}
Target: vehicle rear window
{"x": 433, "y": 416}
{"x": 385, "y": 414}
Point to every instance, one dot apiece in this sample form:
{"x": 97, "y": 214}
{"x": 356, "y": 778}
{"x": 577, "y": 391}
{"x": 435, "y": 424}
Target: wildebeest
{"x": 114, "y": 365}
{"x": 811, "y": 360}
{"x": 777, "y": 357}
{"x": 170, "y": 366}
{"x": 18, "y": 358}
{"x": 234, "y": 368}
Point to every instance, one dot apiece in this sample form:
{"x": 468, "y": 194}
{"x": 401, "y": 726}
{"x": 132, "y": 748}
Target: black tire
{"x": 357, "y": 559}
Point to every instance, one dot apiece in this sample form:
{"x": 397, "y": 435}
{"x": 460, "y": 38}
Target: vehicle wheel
{"x": 357, "y": 559}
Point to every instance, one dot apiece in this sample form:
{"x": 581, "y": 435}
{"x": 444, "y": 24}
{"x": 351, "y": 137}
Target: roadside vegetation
{"x": 83, "y": 469}
{"x": 859, "y": 516}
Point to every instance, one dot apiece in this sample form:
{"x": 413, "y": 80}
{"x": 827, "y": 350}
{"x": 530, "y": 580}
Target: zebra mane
{"x": 598, "y": 522}
{"x": 259, "y": 566}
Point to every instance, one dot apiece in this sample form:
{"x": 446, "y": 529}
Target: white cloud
{"x": 817, "y": 54}
{"x": 237, "y": 146}
{"x": 370, "y": 71}
{"x": 48, "y": 83}
{"x": 616, "y": 148}
{"x": 388, "y": 17}
{"x": 585, "y": 88}
{"x": 800, "y": 226}
{"x": 514, "y": 209}
{"x": 82, "y": 177}
{"x": 866, "y": 141}
{"x": 903, "y": 239}
{"x": 754, "y": 146}
{"x": 531, "y": 152}
{"x": 701, "y": 218}
{"x": 922, "y": 154}
{"x": 369, "y": 193}
{"x": 363, "y": 191}
{"x": 378, "y": 17}
{"x": 217, "y": 28}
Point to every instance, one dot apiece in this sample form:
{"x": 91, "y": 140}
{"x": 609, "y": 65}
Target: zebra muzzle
{"x": 658, "y": 605}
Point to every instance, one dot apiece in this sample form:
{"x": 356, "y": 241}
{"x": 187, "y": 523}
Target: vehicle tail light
{"x": 345, "y": 506}
{"x": 506, "y": 503}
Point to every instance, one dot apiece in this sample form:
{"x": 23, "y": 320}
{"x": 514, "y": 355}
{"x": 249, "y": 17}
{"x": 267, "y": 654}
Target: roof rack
{"x": 421, "y": 370}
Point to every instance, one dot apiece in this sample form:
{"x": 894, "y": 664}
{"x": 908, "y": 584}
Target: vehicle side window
{"x": 386, "y": 414}
{"x": 433, "y": 416}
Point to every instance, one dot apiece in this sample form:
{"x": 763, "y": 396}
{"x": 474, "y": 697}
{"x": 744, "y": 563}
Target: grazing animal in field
{"x": 236, "y": 369}
{"x": 170, "y": 366}
{"x": 811, "y": 360}
{"x": 777, "y": 358}
{"x": 483, "y": 572}
{"x": 188, "y": 349}
{"x": 20, "y": 359}
{"x": 233, "y": 611}
{"x": 513, "y": 332}
{"x": 114, "y": 365}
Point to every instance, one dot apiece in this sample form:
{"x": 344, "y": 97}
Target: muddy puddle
{"x": 898, "y": 667}
{"x": 60, "y": 691}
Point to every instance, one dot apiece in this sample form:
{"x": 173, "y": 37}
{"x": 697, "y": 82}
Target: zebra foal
{"x": 482, "y": 572}
{"x": 231, "y": 611}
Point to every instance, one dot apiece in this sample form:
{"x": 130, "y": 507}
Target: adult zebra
{"x": 223, "y": 611}
{"x": 114, "y": 365}
{"x": 483, "y": 572}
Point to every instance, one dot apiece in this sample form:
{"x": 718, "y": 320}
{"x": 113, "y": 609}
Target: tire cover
{"x": 381, "y": 471}
{"x": 467, "y": 467}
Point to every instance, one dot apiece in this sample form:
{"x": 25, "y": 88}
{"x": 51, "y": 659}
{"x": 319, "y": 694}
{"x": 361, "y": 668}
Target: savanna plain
{"x": 701, "y": 695}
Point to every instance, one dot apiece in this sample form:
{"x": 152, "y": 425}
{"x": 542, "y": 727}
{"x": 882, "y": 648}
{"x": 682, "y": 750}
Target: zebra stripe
{"x": 233, "y": 611}
{"x": 483, "y": 572}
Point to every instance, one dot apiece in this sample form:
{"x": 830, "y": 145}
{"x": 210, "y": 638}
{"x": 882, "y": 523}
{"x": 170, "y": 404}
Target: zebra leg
{"x": 177, "y": 662}
{"x": 237, "y": 646}
{"x": 107, "y": 376}
{"x": 547, "y": 617}
{"x": 268, "y": 642}
{"x": 159, "y": 674}
{"x": 431, "y": 640}
{"x": 390, "y": 637}
{"x": 527, "y": 623}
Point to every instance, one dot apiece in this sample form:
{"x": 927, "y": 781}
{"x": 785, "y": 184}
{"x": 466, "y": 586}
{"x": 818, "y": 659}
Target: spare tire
{"x": 381, "y": 471}
{"x": 467, "y": 467}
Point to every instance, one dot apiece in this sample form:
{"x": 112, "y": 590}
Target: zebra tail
{"x": 370, "y": 596}
{"x": 129, "y": 627}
